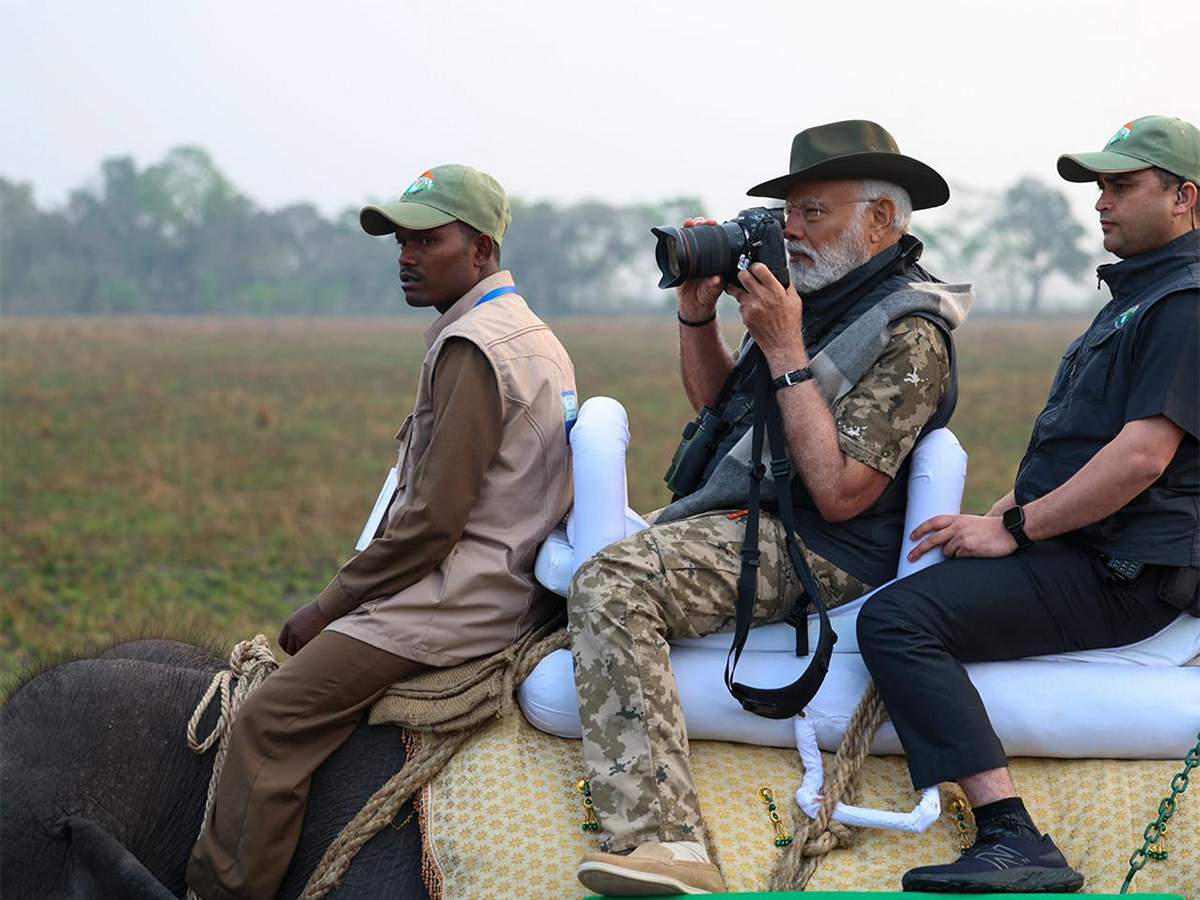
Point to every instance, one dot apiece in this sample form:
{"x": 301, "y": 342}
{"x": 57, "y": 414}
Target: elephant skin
{"x": 102, "y": 798}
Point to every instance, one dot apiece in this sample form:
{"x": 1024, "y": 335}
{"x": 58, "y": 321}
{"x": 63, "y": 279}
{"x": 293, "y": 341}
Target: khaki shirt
{"x": 466, "y": 434}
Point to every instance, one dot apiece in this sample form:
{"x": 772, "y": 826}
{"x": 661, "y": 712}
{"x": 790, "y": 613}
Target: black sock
{"x": 1007, "y": 816}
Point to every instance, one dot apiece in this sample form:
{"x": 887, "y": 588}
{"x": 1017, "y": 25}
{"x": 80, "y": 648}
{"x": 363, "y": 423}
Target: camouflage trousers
{"x": 672, "y": 581}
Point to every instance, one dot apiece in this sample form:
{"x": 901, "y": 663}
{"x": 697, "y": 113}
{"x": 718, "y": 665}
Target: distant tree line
{"x": 177, "y": 237}
{"x": 1010, "y": 245}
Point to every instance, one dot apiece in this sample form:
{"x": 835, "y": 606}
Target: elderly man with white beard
{"x": 849, "y": 429}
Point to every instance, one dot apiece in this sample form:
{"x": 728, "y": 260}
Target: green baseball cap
{"x": 855, "y": 148}
{"x": 1164, "y": 141}
{"x": 441, "y": 195}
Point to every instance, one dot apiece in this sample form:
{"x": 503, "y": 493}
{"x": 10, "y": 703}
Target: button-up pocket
{"x": 1066, "y": 369}
{"x": 1094, "y": 366}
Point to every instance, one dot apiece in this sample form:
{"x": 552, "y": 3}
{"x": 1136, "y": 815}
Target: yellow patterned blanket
{"x": 502, "y": 819}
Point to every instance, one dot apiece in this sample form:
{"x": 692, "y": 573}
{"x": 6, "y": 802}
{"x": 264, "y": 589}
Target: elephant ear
{"x": 99, "y": 866}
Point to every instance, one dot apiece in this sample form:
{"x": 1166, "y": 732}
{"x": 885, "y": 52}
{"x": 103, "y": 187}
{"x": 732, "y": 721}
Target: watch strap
{"x": 1014, "y": 524}
{"x": 796, "y": 376}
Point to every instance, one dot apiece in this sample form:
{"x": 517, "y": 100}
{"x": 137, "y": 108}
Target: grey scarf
{"x": 836, "y": 370}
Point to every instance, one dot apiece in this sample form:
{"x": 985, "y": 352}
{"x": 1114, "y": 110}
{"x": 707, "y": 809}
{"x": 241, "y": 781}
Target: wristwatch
{"x": 1014, "y": 524}
{"x": 796, "y": 376}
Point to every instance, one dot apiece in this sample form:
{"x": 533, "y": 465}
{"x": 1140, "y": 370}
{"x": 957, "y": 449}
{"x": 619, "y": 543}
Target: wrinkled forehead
{"x": 823, "y": 191}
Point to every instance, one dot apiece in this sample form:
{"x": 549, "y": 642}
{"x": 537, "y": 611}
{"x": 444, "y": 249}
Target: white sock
{"x": 692, "y": 851}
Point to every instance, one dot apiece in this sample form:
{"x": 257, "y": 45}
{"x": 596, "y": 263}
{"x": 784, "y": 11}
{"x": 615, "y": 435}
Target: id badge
{"x": 377, "y": 512}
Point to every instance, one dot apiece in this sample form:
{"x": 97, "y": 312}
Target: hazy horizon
{"x": 629, "y": 102}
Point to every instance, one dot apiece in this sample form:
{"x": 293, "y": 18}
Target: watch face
{"x": 1014, "y": 523}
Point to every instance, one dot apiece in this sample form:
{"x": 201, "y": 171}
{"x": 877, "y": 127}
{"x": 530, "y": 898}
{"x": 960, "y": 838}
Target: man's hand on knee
{"x": 963, "y": 536}
{"x": 301, "y": 627}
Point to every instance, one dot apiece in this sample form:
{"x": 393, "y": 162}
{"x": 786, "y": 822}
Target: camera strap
{"x": 790, "y": 700}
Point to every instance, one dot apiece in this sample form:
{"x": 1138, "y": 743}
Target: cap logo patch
{"x": 1125, "y": 316}
{"x": 424, "y": 183}
{"x": 1120, "y": 135}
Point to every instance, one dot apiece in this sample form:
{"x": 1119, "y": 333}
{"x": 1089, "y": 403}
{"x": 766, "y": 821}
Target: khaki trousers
{"x": 290, "y": 725}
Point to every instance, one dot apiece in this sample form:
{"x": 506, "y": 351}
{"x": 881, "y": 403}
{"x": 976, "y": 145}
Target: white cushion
{"x": 1038, "y": 707}
{"x": 1130, "y": 702}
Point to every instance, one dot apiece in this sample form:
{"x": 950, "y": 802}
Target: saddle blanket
{"x": 502, "y": 820}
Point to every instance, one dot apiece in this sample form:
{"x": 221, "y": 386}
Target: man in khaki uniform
{"x": 483, "y": 476}
{"x": 849, "y": 196}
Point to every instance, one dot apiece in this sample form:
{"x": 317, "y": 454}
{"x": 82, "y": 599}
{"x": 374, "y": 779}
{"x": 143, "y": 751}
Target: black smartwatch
{"x": 796, "y": 376}
{"x": 1014, "y": 524}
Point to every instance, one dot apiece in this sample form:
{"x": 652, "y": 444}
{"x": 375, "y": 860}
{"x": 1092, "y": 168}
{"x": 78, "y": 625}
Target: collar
{"x": 1154, "y": 265}
{"x": 465, "y": 304}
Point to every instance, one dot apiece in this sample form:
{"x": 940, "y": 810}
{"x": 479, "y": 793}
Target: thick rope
{"x": 250, "y": 663}
{"x": 436, "y": 750}
{"x": 819, "y": 835}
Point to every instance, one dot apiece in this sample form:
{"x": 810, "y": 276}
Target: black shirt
{"x": 1139, "y": 358}
{"x": 1166, "y": 364}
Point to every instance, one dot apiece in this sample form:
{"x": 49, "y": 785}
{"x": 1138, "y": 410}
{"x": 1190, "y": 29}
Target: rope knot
{"x": 248, "y": 657}
{"x": 823, "y": 834}
{"x": 250, "y": 663}
{"x": 836, "y": 835}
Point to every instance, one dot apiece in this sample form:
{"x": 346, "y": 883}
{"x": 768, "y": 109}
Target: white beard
{"x": 826, "y": 266}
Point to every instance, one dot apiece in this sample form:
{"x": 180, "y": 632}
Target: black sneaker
{"x": 1000, "y": 863}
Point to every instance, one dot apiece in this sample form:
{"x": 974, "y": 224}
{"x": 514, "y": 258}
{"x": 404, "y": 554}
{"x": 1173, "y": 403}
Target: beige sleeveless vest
{"x": 482, "y": 596}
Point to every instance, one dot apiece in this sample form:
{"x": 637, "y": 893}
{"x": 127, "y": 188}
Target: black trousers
{"x": 1051, "y": 597}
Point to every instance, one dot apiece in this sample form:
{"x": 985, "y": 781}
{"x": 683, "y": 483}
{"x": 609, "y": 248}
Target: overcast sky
{"x": 340, "y": 103}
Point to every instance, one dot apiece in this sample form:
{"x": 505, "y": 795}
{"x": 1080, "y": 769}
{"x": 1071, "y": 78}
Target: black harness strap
{"x": 788, "y": 701}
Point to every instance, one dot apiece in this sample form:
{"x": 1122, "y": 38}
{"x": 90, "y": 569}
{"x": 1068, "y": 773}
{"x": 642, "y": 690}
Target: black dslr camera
{"x": 756, "y": 235}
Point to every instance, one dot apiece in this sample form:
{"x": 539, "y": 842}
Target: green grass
{"x": 211, "y": 475}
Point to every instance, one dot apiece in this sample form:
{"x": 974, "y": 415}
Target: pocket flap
{"x": 1101, "y": 337}
{"x": 405, "y": 427}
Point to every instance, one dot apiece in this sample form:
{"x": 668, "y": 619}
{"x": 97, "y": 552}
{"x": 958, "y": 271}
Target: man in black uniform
{"x": 1098, "y": 543}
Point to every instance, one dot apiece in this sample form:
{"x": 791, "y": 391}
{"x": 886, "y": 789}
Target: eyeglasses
{"x": 811, "y": 211}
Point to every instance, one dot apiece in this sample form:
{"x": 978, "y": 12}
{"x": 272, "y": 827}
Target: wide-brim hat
{"x": 439, "y": 196}
{"x": 856, "y": 148}
{"x": 1171, "y": 144}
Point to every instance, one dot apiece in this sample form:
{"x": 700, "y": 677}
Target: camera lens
{"x": 697, "y": 252}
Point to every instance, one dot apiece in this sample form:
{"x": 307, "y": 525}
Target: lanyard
{"x": 494, "y": 293}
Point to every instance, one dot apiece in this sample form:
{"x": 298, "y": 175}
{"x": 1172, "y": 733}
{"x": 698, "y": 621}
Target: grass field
{"x": 210, "y": 476}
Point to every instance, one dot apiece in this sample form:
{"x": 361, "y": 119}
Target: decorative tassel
{"x": 782, "y": 837}
{"x": 589, "y": 814}
{"x": 960, "y": 821}
{"x": 1158, "y": 850}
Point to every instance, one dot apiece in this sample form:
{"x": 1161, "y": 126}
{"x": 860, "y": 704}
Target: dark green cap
{"x": 442, "y": 195}
{"x": 1164, "y": 141}
{"x": 855, "y": 148}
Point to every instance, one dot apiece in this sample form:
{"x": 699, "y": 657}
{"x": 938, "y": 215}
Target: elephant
{"x": 102, "y": 798}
